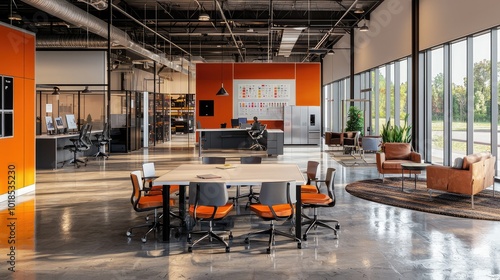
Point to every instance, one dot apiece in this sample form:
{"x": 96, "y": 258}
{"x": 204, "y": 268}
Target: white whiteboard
{"x": 262, "y": 98}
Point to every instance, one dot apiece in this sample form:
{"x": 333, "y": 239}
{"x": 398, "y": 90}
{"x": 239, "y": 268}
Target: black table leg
{"x": 182, "y": 203}
{"x": 166, "y": 212}
{"x": 298, "y": 212}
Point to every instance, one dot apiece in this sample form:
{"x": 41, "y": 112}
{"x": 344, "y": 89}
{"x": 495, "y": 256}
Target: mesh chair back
{"x": 213, "y": 160}
{"x": 148, "y": 169}
{"x": 136, "y": 178}
{"x": 208, "y": 194}
{"x": 329, "y": 181}
{"x": 250, "y": 160}
{"x": 312, "y": 169}
{"x": 272, "y": 193}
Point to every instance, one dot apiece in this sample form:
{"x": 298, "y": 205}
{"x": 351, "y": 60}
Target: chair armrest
{"x": 438, "y": 177}
{"x": 380, "y": 157}
{"x": 415, "y": 157}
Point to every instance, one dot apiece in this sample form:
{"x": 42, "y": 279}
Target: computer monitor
{"x": 235, "y": 123}
{"x": 59, "y": 124}
{"x": 70, "y": 121}
{"x": 49, "y": 124}
{"x": 242, "y": 121}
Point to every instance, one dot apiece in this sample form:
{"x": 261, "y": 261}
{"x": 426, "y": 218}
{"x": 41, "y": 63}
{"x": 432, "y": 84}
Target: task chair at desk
{"x": 102, "y": 140}
{"x": 80, "y": 144}
{"x": 256, "y": 135}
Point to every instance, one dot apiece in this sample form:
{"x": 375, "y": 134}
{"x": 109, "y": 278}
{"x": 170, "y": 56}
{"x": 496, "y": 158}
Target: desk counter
{"x": 238, "y": 138}
{"x": 50, "y": 149}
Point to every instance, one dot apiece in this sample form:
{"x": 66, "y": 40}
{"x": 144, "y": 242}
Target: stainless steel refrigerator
{"x": 302, "y": 125}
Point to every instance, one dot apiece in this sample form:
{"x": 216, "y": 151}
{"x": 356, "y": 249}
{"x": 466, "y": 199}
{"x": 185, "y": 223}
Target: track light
{"x": 86, "y": 90}
{"x": 364, "y": 28}
{"x": 203, "y": 17}
{"x": 56, "y": 91}
{"x": 15, "y": 16}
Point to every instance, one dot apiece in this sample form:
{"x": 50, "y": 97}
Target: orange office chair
{"x": 149, "y": 175}
{"x": 208, "y": 201}
{"x": 312, "y": 169}
{"x": 141, "y": 203}
{"x": 276, "y": 204}
{"x": 318, "y": 200}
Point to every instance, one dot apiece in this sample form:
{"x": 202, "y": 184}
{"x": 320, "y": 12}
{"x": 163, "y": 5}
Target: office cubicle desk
{"x": 238, "y": 174}
{"x": 50, "y": 152}
{"x": 238, "y": 138}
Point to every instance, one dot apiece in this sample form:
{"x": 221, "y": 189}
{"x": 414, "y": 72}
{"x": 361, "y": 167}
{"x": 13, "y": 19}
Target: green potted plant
{"x": 394, "y": 133}
{"x": 355, "y": 120}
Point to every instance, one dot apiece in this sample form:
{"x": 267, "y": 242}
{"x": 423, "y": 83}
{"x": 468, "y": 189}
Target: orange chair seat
{"x": 316, "y": 198}
{"x": 152, "y": 201}
{"x": 308, "y": 189}
{"x": 205, "y": 212}
{"x": 281, "y": 210}
{"x": 158, "y": 189}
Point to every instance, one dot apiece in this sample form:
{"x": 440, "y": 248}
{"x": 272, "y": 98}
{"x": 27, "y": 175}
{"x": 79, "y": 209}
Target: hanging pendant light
{"x": 222, "y": 91}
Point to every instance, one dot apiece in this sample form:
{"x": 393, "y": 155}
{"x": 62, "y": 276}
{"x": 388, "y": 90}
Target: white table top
{"x": 241, "y": 174}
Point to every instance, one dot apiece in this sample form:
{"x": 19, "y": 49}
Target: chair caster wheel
{"x": 129, "y": 233}
{"x": 299, "y": 245}
{"x": 247, "y": 241}
{"x": 228, "y": 250}
{"x": 337, "y": 226}
{"x": 190, "y": 249}
{"x": 304, "y": 237}
{"x": 147, "y": 218}
{"x": 144, "y": 239}
{"x": 268, "y": 250}
{"x": 230, "y": 236}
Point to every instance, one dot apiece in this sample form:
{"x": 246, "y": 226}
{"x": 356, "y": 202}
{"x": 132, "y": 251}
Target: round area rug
{"x": 486, "y": 207}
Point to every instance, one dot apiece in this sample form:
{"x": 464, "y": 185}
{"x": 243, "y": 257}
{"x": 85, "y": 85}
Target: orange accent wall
{"x": 17, "y": 53}
{"x": 308, "y": 86}
{"x": 307, "y": 78}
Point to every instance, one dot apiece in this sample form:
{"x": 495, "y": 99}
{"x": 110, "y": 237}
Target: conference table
{"x": 234, "y": 174}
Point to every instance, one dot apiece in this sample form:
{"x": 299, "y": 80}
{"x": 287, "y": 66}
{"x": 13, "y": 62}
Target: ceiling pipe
{"x": 327, "y": 34}
{"x": 229, "y": 28}
{"x": 80, "y": 18}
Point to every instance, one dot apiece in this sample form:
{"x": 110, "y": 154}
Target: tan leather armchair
{"x": 474, "y": 175}
{"x": 389, "y": 161}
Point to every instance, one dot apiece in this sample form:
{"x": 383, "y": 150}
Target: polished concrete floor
{"x": 81, "y": 216}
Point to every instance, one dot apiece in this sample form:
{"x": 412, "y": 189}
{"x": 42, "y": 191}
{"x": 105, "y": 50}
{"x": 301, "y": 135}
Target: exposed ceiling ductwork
{"x": 80, "y": 18}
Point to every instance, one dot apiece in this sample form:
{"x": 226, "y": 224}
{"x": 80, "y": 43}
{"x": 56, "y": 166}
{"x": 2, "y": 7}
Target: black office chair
{"x": 103, "y": 139}
{"x": 256, "y": 136}
{"x": 80, "y": 144}
{"x": 251, "y": 194}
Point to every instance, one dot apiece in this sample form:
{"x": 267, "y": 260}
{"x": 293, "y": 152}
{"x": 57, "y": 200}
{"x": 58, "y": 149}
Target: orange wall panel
{"x": 264, "y": 71}
{"x": 209, "y": 76}
{"x": 19, "y": 150}
{"x": 308, "y": 86}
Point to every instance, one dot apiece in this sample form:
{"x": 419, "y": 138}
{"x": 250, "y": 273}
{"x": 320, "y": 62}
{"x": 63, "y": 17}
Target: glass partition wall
{"x": 86, "y": 107}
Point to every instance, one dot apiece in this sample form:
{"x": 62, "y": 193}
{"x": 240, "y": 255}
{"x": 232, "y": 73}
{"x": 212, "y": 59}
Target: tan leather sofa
{"x": 474, "y": 175}
{"x": 389, "y": 161}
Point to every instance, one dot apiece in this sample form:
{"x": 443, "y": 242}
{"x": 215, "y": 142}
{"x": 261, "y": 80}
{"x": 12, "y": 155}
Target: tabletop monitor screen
{"x": 242, "y": 120}
{"x": 49, "y": 123}
{"x": 235, "y": 123}
{"x": 59, "y": 123}
{"x": 70, "y": 121}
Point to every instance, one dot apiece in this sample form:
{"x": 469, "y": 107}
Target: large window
{"x": 482, "y": 93}
{"x": 436, "y": 96}
{"x": 459, "y": 98}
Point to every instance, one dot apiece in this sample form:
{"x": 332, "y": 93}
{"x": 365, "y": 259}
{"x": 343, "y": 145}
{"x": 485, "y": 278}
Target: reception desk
{"x": 50, "y": 150}
{"x": 238, "y": 138}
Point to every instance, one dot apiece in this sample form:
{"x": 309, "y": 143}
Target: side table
{"x": 414, "y": 166}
